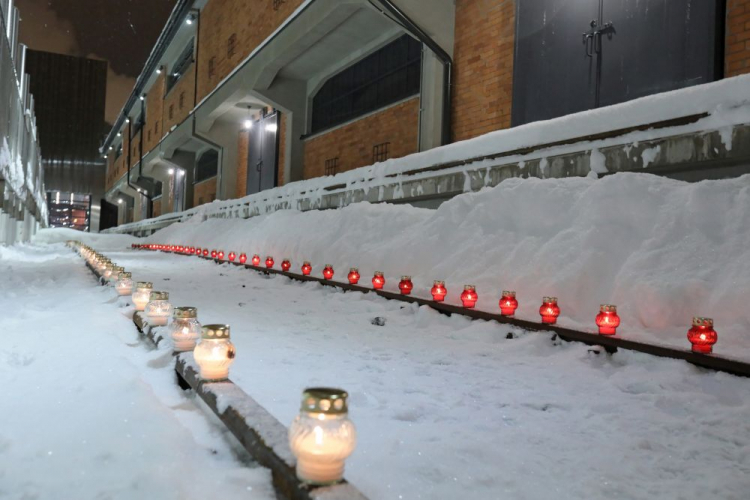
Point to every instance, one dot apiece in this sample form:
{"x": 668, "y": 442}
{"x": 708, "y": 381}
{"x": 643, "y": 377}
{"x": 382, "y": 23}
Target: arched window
{"x": 207, "y": 166}
{"x": 386, "y": 76}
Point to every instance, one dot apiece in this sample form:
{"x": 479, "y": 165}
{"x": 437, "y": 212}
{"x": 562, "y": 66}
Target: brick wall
{"x": 180, "y": 100}
{"x": 135, "y": 150}
{"x": 737, "y": 48}
{"x": 483, "y": 67}
{"x": 153, "y": 128}
{"x": 204, "y": 192}
{"x": 246, "y": 23}
{"x": 243, "y": 143}
{"x": 353, "y": 144}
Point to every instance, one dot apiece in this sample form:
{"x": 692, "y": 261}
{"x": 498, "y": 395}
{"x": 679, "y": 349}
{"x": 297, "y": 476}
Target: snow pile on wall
{"x": 12, "y": 169}
{"x": 661, "y": 250}
{"x": 100, "y": 242}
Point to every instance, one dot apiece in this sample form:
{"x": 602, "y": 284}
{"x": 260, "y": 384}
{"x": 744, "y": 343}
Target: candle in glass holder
{"x": 269, "y": 262}
{"x": 286, "y": 265}
{"x": 142, "y": 295}
{"x": 549, "y": 311}
{"x": 439, "y": 291}
{"x": 215, "y": 353}
{"x": 508, "y": 303}
{"x": 378, "y": 280}
{"x": 405, "y": 285}
{"x": 607, "y": 320}
{"x": 243, "y": 258}
{"x": 469, "y": 296}
{"x": 306, "y": 268}
{"x": 256, "y": 260}
{"x": 328, "y": 272}
{"x": 185, "y": 330}
{"x": 124, "y": 284}
{"x": 353, "y": 276}
{"x": 158, "y": 309}
{"x": 322, "y": 437}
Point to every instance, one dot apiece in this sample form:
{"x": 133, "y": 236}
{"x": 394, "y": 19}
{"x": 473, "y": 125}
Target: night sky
{"x": 122, "y": 32}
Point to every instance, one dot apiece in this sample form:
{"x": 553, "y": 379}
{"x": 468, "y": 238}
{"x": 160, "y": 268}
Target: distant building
{"x": 70, "y": 94}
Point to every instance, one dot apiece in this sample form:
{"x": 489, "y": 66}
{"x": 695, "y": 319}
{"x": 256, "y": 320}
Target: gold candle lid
{"x": 698, "y": 321}
{"x": 125, "y": 276}
{"x": 469, "y": 288}
{"x": 508, "y": 293}
{"x": 324, "y": 400}
{"x": 608, "y": 308}
{"x": 158, "y": 296}
{"x": 439, "y": 283}
{"x": 547, "y": 300}
{"x": 405, "y": 278}
{"x": 306, "y": 263}
{"x": 354, "y": 270}
{"x": 379, "y": 273}
{"x": 144, "y": 284}
{"x": 329, "y": 265}
{"x": 185, "y": 312}
{"x": 215, "y": 332}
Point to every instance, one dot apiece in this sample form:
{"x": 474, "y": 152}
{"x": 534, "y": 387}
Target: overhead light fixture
{"x": 119, "y": 201}
{"x": 127, "y": 120}
{"x": 248, "y": 124}
{"x": 119, "y": 134}
{"x": 171, "y": 171}
{"x": 190, "y": 19}
{"x": 143, "y": 96}
{"x": 158, "y": 71}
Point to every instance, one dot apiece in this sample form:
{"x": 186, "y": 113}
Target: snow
{"x": 662, "y": 250}
{"x": 89, "y": 411}
{"x": 450, "y": 408}
{"x": 725, "y": 103}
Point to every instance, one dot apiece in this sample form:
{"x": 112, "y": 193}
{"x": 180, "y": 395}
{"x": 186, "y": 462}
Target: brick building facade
{"x": 227, "y": 64}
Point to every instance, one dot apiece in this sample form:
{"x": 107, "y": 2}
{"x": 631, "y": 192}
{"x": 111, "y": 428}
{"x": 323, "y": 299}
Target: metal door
{"x": 262, "y": 154}
{"x": 573, "y": 55}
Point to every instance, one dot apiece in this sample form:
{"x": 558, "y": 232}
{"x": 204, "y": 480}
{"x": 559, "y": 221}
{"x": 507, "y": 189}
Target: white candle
{"x": 185, "y": 329}
{"x": 124, "y": 284}
{"x": 215, "y": 353}
{"x": 158, "y": 309}
{"x": 142, "y": 295}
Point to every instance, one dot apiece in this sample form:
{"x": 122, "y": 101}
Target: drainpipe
{"x": 149, "y": 206}
{"x": 442, "y": 55}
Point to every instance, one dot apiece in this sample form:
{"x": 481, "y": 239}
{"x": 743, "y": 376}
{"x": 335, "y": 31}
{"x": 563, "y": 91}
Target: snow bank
{"x": 101, "y": 242}
{"x": 661, "y": 250}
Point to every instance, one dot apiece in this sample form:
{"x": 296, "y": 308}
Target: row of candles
{"x": 321, "y": 436}
{"x": 701, "y": 335}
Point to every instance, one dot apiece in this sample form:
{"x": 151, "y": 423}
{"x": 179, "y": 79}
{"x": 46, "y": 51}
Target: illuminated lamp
{"x": 306, "y": 268}
{"x": 158, "y": 309}
{"x": 328, "y": 271}
{"x": 286, "y": 265}
{"x": 232, "y": 256}
{"x": 702, "y": 335}
{"x": 256, "y": 260}
{"x": 269, "y": 262}
{"x": 607, "y": 320}
{"x": 220, "y": 255}
{"x": 142, "y": 295}
{"x": 353, "y": 276}
{"x": 185, "y": 329}
{"x": 214, "y": 254}
{"x": 378, "y": 280}
{"x": 205, "y": 252}
{"x": 215, "y": 353}
{"x": 405, "y": 285}
{"x": 124, "y": 284}
{"x": 549, "y": 310}
{"x": 508, "y": 303}
{"x": 243, "y": 258}
{"x": 322, "y": 437}
{"x": 469, "y": 296}
{"x": 439, "y": 291}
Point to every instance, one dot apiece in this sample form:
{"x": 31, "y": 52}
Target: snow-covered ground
{"x": 449, "y": 408}
{"x": 88, "y": 411}
{"x": 662, "y": 250}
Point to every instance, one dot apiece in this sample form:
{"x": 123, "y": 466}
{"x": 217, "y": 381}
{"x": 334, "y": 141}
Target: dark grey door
{"x": 262, "y": 154}
{"x": 609, "y": 51}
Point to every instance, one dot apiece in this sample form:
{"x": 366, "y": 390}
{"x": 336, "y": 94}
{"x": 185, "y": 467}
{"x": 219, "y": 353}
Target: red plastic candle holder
{"x": 378, "y": 281}
{"x": 205, "y": 252}
{"x": 243, "y": 258}
{"x": 469, "y": 296}
{"x": 269, "y": 262}
{"x": 286, "y": 265}
{"x": 439, "y": 291}
{"x": 549, "y": 310}
{"x": 256, "y": 260}
{"x": 508, "y": 303}
{"x": 220, "y": 254}
{"x": 214, "y": 253}
{"x": 306, "y": 268}
{"x": 232, "y": 256}
{"x": 198, "y": 251}
{"x": 607, "y": 320}
{"x": 405, "y": 285}
{"x": 353, "y": 276}
{"x": 328, "y": 271}
{"x": 702, "y": 335}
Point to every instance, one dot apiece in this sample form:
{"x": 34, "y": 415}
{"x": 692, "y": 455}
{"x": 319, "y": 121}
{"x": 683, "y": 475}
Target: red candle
{"x": 286, "y": 265}
{"x": 469, "y": 296}
{"x": 439, "y": 291}
{"x": 198, "y": 251}
{"x": 256, "y": 260}
{"x": 405, "y": 285}
{"x": 549, "y": 310}
{"x": 269, "y": 262}
{"x": 353, "y": 276}
{"x": 328, "y": 271}
{"x": 205, "y": 252}
{"x": 508, "y": 303}
{"x": 213, "y": 254}
{"x": 243, "y": 258}
{"x": 702, "y": 335}
{"x": 232, "y": 256}
{"x": 378, "y": 281}
{"x": 221, "y": 254}
{"x": 306, "y": 268}
{"x": 607, "y": 320}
